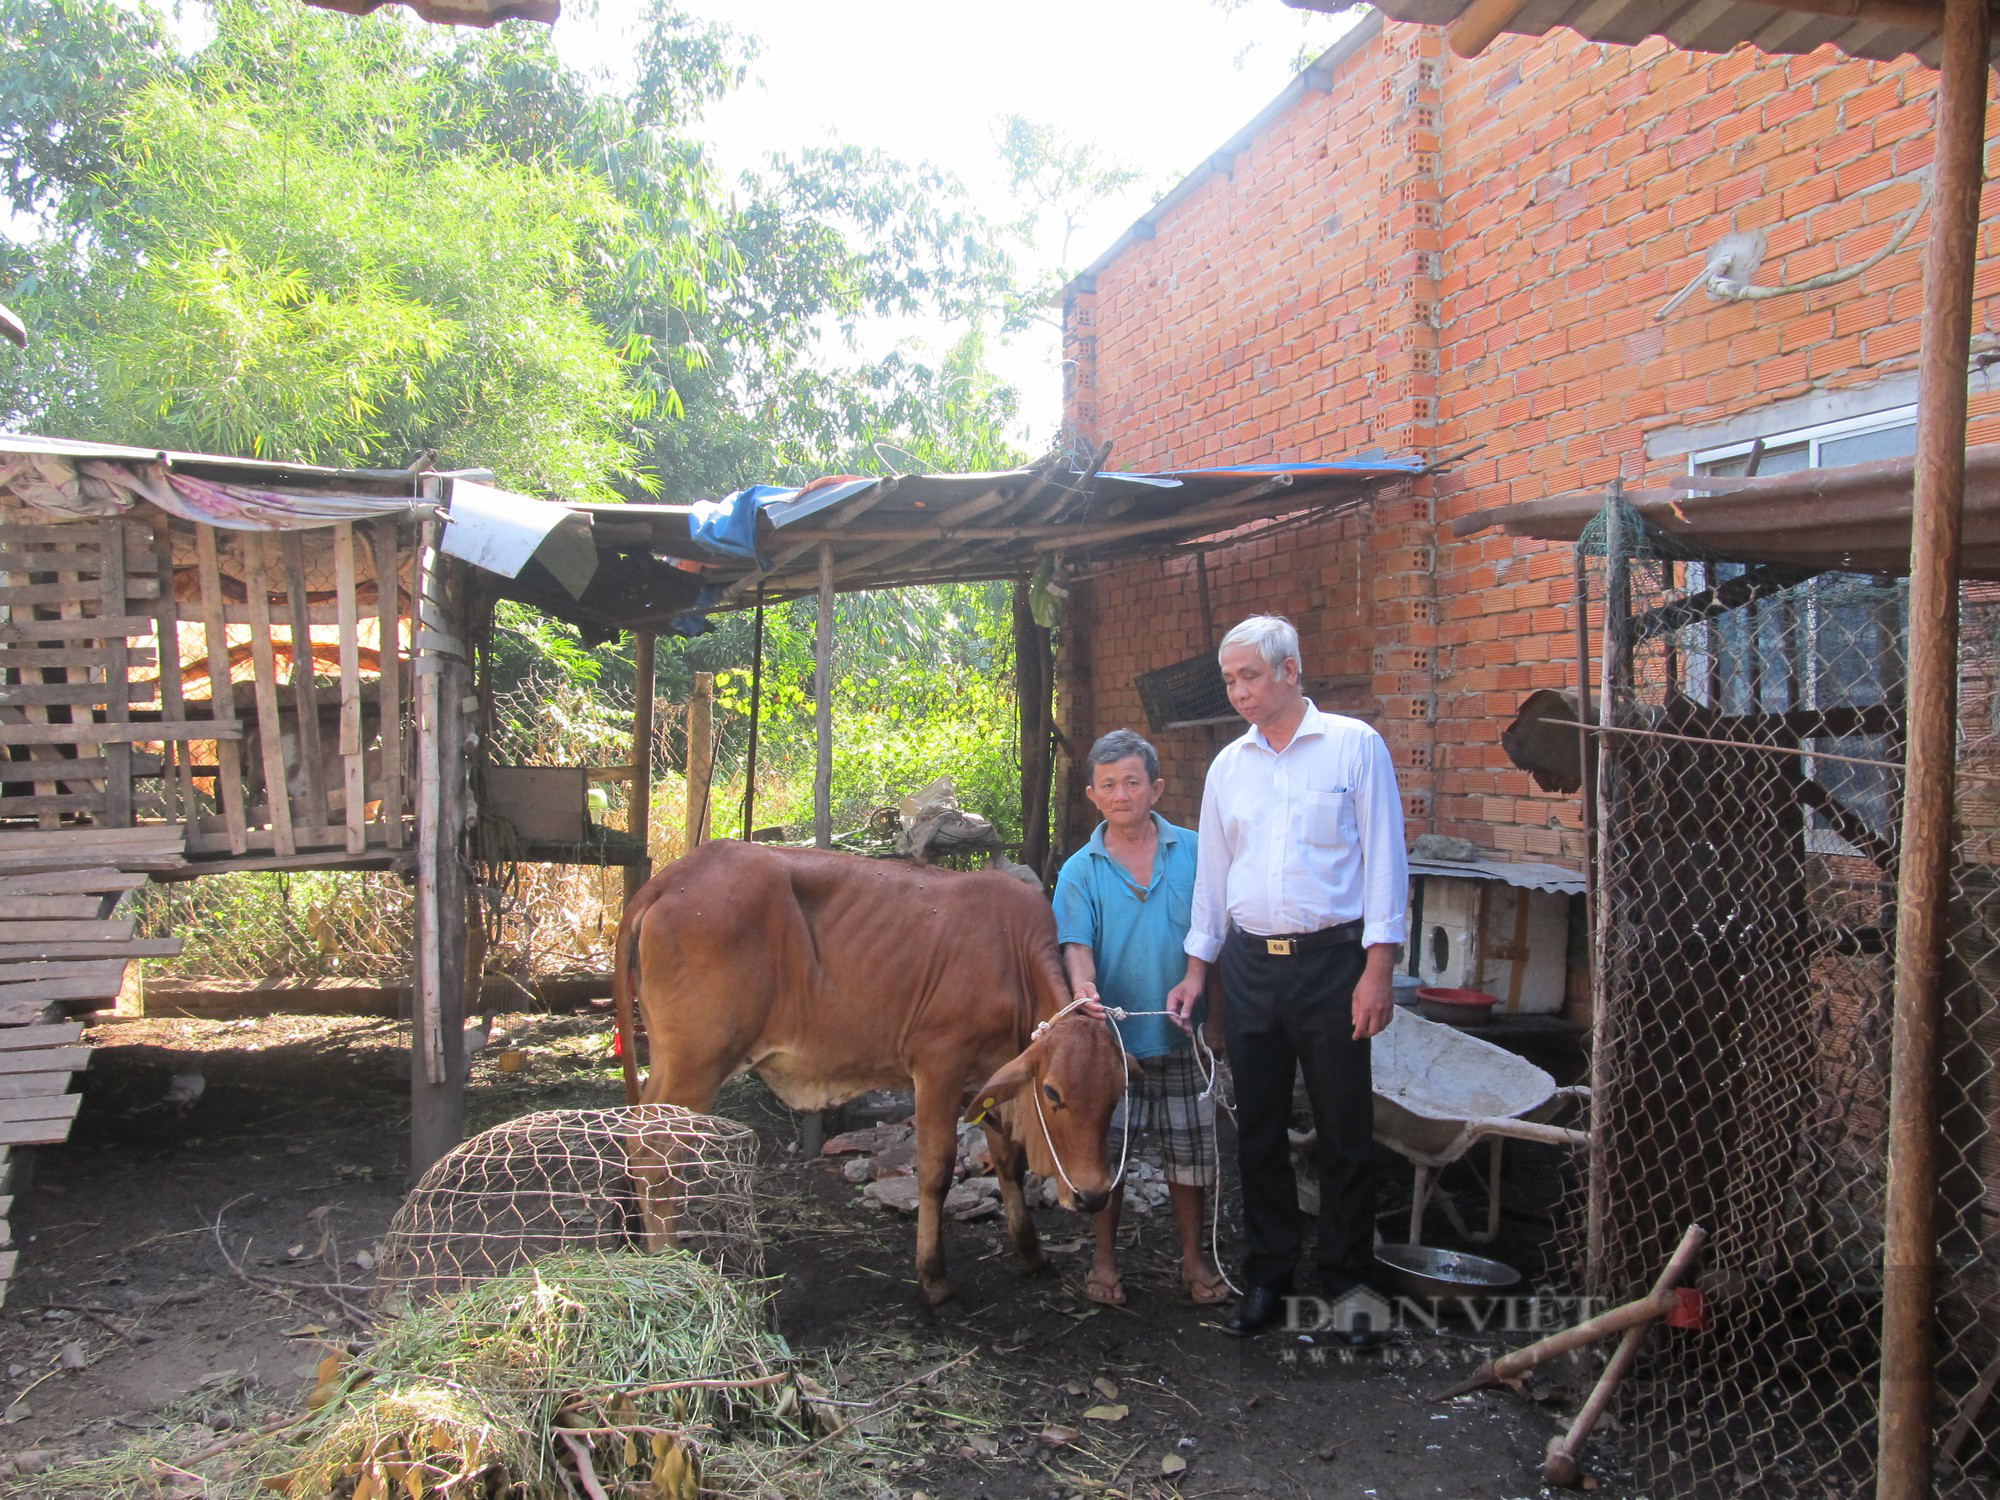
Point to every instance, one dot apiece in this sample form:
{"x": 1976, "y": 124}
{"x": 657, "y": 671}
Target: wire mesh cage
{"x": 1188, "y": 692}
{"x": 641, "y": 1177}
{"x": 1749, "y": 779}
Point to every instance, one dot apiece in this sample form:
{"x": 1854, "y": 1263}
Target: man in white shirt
{"x": 1301, "y": 889}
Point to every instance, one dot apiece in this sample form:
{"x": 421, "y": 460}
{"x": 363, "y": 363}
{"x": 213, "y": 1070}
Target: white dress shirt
{"x": 1302, "y": 838}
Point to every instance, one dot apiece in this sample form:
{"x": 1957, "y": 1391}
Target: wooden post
{"x": 1034, "y": 687}
{"x": 823, "y": 705}
{"x": 756, "y": 697}
{"x": 700, "y": 761}
{"x": 640, "y": 819}
{"x": 813, "y": 1132}
{"x": 1611, "y": 675}
{"x": 118, "y": 659}
{"x": 1909, "y": 1304}
{"x": 444, "y": 687}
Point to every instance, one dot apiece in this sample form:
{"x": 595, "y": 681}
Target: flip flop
{"x": 1108, "y": 1292}
{"x": 1206, "y": 1293}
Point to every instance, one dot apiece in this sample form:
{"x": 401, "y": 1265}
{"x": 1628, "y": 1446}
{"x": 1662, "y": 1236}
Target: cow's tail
{"x": 625, "y": 985}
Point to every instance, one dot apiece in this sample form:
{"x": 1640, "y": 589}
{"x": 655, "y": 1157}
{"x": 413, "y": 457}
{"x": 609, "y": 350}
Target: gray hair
{"x": 1275, "y": 638}
{"x": 1123, "y": 744}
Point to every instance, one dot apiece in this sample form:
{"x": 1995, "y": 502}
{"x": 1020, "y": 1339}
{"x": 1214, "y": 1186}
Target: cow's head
{"x": 1076, "y": 1071}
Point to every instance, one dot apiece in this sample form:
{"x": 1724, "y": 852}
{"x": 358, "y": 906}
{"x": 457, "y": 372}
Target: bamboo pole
{"x": 823, "y": 705}
{"x": 640, "y": 820}
{"x": 1903, "y": 1459}
{"x": 700, "y": 760}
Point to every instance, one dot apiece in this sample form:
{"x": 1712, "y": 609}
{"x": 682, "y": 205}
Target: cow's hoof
{"x": 937, "y": 1293}
{"x": 1037, "y": 1264}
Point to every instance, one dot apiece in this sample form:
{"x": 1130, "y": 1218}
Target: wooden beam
{"x": 444, "y": 968}
{"x": 1480, "y": 22}
{"x": 1923, "y": 884}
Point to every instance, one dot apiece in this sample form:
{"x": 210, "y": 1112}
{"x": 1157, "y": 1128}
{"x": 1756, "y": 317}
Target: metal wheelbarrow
{"x": 1440, "y": 1091}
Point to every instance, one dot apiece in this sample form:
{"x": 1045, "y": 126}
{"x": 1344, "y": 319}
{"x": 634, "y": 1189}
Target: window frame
{"x": 1818, "y": 840}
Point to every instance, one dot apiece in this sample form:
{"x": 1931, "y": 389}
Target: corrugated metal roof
{"x": 222, "y": 467}
{"x": 1855, "y": 518}
{"x": 1523, "y": 874}
{"x": 1702, "y": 26}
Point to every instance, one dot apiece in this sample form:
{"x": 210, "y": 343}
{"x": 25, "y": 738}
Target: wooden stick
{"x": 1512, "y": 1366}
{"x": 228, "y": 754}
{"x": 700, "y": 759}
{"x": 388, "y": 612}
{"x": 1561, "y": 1467}
{"x": 178, "y": 774}
{"x": 640, "y": 819}
{"x": 354, "y": 793}
{"x": 265, "y": 667}
{"x": 305, "y": 706}
{"x": 117, "y": 668}
{"x": 823, "y": 706}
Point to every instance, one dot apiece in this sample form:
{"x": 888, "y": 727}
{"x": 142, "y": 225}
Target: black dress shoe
{"x": 1260, "y": 1308}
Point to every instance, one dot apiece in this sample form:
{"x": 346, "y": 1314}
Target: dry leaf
{"x": 364, "y": 1260}
{"x": 1105, "y": 1387}
{"x": 296, "y": 1251}
{"x": 314, "y": 1215}
{"x": 1173, "y": 1463}
{"x": 1058, "y": 1435}
{"x": 1112, "y": 1413}
{"x": 1075, "y": 1387}
{"x": 304, "y": 1331}
{"x": 73, "y": 1357}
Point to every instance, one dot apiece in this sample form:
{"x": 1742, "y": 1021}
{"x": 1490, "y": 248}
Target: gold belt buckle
{"x": 1278, "y": 947}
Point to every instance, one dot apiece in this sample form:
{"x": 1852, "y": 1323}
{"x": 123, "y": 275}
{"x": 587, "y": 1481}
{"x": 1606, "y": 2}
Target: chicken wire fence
{"x": 1750, "y": 798}
{"x": 635, "y": 1178}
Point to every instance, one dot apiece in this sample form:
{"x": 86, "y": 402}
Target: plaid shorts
{"x": 1166, "y": 1102}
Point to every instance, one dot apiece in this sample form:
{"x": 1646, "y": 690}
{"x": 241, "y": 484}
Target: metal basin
{"x": 1451, "y": 1276}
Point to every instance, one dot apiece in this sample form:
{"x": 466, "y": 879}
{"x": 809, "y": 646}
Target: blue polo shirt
{"x": 1134, "y": 934}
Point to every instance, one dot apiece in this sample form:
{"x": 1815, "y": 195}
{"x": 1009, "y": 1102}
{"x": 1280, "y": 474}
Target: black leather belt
{"x": 1286, "y": 946}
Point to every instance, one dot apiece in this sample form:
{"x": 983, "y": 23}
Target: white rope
{"x": 1205, "y": 1064}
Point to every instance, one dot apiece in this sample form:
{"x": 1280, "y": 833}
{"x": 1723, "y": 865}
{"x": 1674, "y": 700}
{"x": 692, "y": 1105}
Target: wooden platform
{"x": 62, "y": 952}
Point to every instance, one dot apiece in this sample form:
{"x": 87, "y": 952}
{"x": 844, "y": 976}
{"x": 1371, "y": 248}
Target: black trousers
{"x": 1282, "y": 1014}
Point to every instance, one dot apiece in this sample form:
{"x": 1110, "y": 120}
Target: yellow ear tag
{"x": 984, "y": 1105}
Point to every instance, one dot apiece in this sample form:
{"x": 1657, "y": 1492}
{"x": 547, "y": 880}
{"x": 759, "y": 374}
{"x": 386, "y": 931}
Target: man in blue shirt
{"x": 1122, "y": 907}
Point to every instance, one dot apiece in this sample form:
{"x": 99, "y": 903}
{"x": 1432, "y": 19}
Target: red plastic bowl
{"x": 1456, "y": 1007}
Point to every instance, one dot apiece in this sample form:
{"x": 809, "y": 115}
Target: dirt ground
{"x": 186, "y": 1267}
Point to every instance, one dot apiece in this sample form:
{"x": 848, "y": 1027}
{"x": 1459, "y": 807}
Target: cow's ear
{"x": 998, "y": 1089}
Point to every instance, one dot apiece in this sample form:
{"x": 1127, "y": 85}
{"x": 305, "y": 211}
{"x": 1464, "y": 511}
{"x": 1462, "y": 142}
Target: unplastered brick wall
{"x": 1463, "y": 260}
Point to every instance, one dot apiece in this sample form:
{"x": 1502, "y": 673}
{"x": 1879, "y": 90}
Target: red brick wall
{"x": 1437, "y": 254}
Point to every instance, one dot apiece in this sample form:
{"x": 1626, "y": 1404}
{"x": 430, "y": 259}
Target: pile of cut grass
{"x": 582, "y": 1374}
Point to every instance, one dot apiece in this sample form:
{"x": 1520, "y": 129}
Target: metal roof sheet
{"x": 1855, "y": 518}
{"x": 1700, "y": 26}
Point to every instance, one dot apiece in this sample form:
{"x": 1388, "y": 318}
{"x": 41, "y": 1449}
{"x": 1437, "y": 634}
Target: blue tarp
{"x": 729, "y": 525}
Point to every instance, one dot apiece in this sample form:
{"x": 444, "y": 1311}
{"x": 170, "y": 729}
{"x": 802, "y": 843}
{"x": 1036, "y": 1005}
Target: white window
{"x": 1836, "y": 641}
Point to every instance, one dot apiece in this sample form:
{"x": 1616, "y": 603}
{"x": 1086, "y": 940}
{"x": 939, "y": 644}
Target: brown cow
{"x": 831, "y": 975}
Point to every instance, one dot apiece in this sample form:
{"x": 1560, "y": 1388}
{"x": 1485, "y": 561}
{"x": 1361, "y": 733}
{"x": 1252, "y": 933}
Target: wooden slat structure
{"x": 62, "y": 951}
